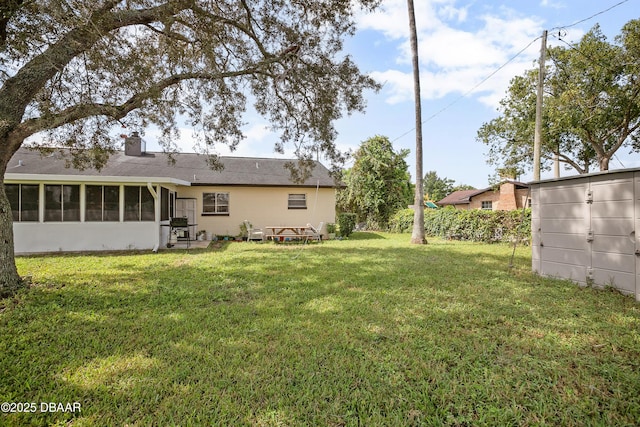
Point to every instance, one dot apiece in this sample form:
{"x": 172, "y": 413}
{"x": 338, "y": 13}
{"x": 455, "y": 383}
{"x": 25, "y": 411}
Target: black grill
{"x": 178, "y": 222}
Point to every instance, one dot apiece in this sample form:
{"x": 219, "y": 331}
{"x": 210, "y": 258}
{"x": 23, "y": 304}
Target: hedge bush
{"x": 475, "y": 225}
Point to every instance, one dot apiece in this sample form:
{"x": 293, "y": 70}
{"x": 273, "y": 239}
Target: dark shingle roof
{"x": 459, "y": 197}
{"x": 191, "y": 167}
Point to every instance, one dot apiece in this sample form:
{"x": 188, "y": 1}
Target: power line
{"x": 591, "y": 17}
{"x": 578, "y": 50}
{"x": 464, "y": 95}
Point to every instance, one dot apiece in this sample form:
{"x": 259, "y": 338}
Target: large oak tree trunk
{"x": 10, "y": 281}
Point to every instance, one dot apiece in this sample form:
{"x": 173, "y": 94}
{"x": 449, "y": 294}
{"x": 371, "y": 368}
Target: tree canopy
{"x": 74, "y": 70}
{"x": 591, "y": 106}
{"x": 436, "y": 188}
{"x": 378, "y": 184}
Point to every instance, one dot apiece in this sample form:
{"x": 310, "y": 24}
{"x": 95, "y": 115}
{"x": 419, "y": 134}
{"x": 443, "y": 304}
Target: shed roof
{"x": 586, "y": 175}
{"x": 188, "y": 167}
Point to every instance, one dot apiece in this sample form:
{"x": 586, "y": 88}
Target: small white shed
{"x": 584, "y": 229}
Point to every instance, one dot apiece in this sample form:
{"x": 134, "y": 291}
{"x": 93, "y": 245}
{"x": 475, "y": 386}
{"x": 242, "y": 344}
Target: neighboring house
{"x": 128, "y": 204}
{"x": 509, "y": 195}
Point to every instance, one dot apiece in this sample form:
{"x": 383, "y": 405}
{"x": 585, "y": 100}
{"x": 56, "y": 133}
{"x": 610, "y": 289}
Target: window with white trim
{"x": 297, "y": 201}
{"x": 487, "y": 205}
{"x": 215, "y": 203}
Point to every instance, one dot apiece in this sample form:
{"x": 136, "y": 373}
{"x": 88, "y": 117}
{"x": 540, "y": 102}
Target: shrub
{"x": 475, "y": 225}
{"x": 346, "y": 223}
{"x": 401, "y": 221}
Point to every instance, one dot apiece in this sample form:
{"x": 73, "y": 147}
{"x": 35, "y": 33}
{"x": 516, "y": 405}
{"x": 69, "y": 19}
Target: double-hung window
{"x": 297, "y": 201}
{"x": 24, "y": 201}
{"x": 215, "y": 203}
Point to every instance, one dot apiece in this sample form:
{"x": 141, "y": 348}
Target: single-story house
{"x": 508, "y": 196}
{"x": 129, "y": 203}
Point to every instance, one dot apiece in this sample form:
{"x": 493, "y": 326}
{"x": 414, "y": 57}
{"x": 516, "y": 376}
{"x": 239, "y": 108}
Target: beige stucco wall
{"x": 262, "y": 206}
{"x": 462, "y": 207}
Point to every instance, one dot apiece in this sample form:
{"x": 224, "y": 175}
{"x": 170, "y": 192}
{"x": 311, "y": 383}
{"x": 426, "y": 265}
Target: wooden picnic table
{"x": 283, "y": 233}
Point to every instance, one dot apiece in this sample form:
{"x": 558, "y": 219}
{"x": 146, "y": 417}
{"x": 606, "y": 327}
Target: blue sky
{"x": 461, "y": 43}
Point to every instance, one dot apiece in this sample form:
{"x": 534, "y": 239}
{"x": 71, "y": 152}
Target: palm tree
{"x": 417, "y": 235}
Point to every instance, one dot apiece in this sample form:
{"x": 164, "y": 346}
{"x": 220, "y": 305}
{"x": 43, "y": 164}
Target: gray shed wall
{"x": 584, "y": 229}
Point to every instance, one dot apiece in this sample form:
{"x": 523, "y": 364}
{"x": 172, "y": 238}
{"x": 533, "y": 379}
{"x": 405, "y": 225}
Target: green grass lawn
{"x": 367, "y": 331}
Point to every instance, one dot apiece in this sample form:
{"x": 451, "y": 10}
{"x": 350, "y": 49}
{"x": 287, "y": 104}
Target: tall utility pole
{"x": 537, "y": 140}
{"x": 417, "y": 235}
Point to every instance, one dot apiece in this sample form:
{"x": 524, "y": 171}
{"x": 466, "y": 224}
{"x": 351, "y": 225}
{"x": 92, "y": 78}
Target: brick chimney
{"x": 507, "y": 200}
{"x": 133, "y": 145}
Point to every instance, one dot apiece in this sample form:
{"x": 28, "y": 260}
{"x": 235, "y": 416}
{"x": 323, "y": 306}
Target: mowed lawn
{"x": 368, "y": 331}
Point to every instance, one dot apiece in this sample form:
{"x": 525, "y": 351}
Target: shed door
{"x": 613, "y": 261}
{"x": 563, "y": 224}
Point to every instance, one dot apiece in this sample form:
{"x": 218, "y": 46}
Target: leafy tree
{"x": 591, "y": 106}
{"x": 437, "y": 188}
{"x": 378, "y": 184}
{"x": 462, "y": 187}
{"x": 73, "y": 70}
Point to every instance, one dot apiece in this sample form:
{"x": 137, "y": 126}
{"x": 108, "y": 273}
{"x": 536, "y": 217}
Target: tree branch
{"x": 21, "y": 88}
{"x": 564, "y": 159}
{"x": 117, "y": 112}
{"x": 246, "y": 30}
{"x": 169, "y": 34}
{"x": 8, "y": 9}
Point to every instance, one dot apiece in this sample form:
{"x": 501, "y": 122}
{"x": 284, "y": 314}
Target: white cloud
{"x": 392, "y": 19}
{"x": 458, "y": 50}
{"x": 258, "y": 142}
{"x": 552, "y": 4}
{"x": 398, "y": 85}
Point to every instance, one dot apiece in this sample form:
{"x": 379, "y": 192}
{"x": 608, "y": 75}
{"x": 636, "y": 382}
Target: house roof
{"x": 189, "y": 168}
{"x": 459, "y": 197}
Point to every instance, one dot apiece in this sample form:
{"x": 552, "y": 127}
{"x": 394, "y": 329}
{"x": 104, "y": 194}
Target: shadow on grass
{"x": 365, "y": 235}
{"x": 331, "y": 334}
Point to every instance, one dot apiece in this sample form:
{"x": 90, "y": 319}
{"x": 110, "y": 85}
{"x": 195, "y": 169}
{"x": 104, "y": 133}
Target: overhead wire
{"x": 589, "y": 58}
{"x": 590, "y": 17}
{"x": 465, "y": 94}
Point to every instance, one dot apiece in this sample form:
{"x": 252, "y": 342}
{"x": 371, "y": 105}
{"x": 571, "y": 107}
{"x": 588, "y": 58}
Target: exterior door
{"x": 562, "y": 225}
{"x": 186, "y": 207}
{"x": 613, "y": 262}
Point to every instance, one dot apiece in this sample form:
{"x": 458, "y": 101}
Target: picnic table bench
{"x": 287, "y": 233}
